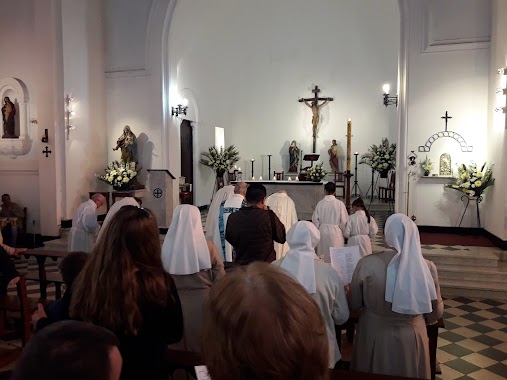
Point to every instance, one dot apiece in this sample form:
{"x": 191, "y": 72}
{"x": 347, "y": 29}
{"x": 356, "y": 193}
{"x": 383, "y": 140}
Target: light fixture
{"x": 180, "y": 108}
{"x": 411, "y": 158}
{"x": 501, "y": 109}
{"x": 502, "y": 71}
{"x": 69, "y": 113}
{"x": 388, "y": 100}
{"x": 501, "y": 91}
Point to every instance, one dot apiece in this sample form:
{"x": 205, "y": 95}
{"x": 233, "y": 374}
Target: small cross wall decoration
{"x": 46, "y": 152}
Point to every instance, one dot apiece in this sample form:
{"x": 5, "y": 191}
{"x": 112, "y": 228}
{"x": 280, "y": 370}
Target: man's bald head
{"x": 240, "y": 188}
{"x": 99, "y": 199}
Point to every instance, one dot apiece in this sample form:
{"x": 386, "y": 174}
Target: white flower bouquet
{"x": 119, "y": 173}
{"x": 381, "y": 158}
{"x": 316, "y": 173}
{"x": 220, "y": 161}
{"x": 472, "y": 181}
{"x": 426, "y": 165}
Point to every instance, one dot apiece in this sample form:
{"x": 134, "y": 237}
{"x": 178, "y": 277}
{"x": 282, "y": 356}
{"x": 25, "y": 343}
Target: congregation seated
{"x": 397, "y": 292}
{"x": 58, "y": 310}
{"x": 70, "y": 350}
{"x": 124, "y": 288}
{"x": 260, "y": 324}
{"x": 252, "y": 229}
{"x": 15, "y": 214}
{"x": 283, "y": 206}
{"x": 232, "y": 204}
{"x": 319, "y": 279}
{"x": 195, "y": 265}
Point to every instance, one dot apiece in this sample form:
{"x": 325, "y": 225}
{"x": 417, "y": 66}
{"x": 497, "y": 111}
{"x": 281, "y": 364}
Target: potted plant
{"x": 473, "y": 181}
{"x": 119, "y": 174}
{"x": 220, "y": 160}
{"x": 381, "y": 158}
{"x": 316, "y": 173}
{"x": 426, "y": 166}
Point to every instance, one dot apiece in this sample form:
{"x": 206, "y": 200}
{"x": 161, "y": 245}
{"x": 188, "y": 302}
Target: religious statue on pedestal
{"x": 8, "y": 114}
{"x": 294, "y": 157}
{"x": 128, "y": 145}
{"x": 333, "y": 157}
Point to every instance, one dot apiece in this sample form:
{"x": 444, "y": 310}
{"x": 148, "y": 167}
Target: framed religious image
{"x": 445, "y": 165}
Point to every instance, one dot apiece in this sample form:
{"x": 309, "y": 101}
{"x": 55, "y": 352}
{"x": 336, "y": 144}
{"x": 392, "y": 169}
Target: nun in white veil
{"x": 319, "y": 279}
{"x": 397, "y": 292}
{"x": 195, "y": 265}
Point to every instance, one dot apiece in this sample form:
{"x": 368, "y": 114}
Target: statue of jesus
{"x": 313, "y": 103}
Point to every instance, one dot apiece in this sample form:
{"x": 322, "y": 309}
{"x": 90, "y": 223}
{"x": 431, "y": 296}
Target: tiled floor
{"x": 473, "y": 344}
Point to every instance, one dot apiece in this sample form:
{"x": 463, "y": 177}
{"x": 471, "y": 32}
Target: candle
{"x": 260, "y": 178}
{"x": 349, "y": 138}
{"x": 253, "y": 178}
{"x": 274, "y": 178}
{"x": 239, "y": 169}
{"x": 235, "y": 167}
{"x": 289, "y": 179}
{"x": 297, "y": 178}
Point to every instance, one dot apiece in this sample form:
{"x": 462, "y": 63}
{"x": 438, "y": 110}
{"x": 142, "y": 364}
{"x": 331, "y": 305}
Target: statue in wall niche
{"x": 445, "y": 164}
{"x": 294, "y": 157}
{"x": 333, "y": 157}
{"x": 128, "y": 145}
{"x": 8, "y": 114}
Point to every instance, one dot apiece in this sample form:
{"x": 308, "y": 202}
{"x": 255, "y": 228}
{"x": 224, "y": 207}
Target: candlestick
{"x": 349, "y": 138}
{"x": 253, "y": 178}
{"x": 253, "y": 168}
{"x": 356, "y": 189}
{"x": 269, "y": 165}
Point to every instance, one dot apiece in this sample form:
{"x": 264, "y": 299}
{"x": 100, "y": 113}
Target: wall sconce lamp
{"x": 180, "y": 108}
{"x": 69, "y": 113}
{"x": 501, "y": 109}
{"x": 501, "y": 91}
{"x": 502, "y": 71}
{"x": 388, "y": 100}
{"x": 411, "y": 158}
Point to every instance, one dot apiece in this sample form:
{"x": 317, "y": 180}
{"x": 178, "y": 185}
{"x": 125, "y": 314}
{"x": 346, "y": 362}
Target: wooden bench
{"x": 41, "y": 255}
{"x": 51, "y": 277}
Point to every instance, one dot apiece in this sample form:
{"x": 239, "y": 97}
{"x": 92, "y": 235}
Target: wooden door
{"x": 187, "y": 156}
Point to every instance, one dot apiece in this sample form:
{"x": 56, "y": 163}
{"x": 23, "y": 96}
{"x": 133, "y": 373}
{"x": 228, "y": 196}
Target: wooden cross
{"x": 446, "y": 117}
{"x": 46, "y": 151}
{"x": 313, "y": 103}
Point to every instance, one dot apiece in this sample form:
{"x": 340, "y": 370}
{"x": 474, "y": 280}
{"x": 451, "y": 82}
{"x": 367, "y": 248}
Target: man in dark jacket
{"x": 252, "y": 229}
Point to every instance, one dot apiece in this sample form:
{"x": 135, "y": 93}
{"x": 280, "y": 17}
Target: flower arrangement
{"x": 119, "y": 173}
{"x": 381, "y": 158}
{"x": 426, "y": 166}
{"x": 220, "y": 160}
{"x": 316, "y": 173}
{"x": 472, "y": 181}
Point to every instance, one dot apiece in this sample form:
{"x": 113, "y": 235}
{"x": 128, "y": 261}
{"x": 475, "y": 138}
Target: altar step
{"x": 475, "y": 273}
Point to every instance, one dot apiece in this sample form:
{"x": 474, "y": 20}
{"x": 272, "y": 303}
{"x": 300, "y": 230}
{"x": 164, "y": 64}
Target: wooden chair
{"x": 18, "y": 304}
{"x": 51, "y": 277}
{"x": 231, "y": 176}
{"x": 386, "y": 193}
{"x": 339, "y": 181}
{"x": 279, "y": 176}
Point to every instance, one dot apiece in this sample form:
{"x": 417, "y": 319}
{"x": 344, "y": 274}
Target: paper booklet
{"x": 344, "y": 261}
{"x": 202, "y": 372}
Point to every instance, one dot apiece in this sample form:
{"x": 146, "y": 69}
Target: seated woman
{"x": 195, "y": 265}
{"x": 319, "y": 279}
{"x": 360, "y": 228}
{"x": 398, "y": 292}
{"x": 260, "y": 324}
{"x": 124, "y": 288}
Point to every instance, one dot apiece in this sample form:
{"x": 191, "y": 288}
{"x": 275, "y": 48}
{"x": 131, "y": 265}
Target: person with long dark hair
{"x": 360, "y": 228}
{"x": 124, "y": 288}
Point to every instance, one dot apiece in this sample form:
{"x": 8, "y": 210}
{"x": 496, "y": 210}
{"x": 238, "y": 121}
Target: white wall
{"x": 495, "y": 207}
{"x": 448, "y": 68}
{"x": 248, "y": 63}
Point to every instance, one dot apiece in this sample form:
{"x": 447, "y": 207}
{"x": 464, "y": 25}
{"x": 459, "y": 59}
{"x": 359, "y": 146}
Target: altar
{"x": 305, "y": 194}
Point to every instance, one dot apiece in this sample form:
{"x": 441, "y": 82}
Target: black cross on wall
{"x": 46, "y": 152}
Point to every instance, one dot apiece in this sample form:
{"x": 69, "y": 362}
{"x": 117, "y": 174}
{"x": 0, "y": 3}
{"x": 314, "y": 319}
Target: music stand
{"x": 311, "y": 157}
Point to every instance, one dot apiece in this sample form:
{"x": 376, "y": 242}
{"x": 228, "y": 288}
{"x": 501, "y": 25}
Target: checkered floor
{"x": 473, "y": 344}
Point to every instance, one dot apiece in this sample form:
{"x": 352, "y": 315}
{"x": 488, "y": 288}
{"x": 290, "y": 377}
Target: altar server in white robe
{"x": 360, "y": 228}
{"x": 330, "y": 217}
{"x": 233, "y": 203}
{"x": 283, "y": 206}
{"x": 212, "y": 218}
{"x": 126, "y": 201}
{"x": 319, "y": 279}
{"x": 84, "y": 225}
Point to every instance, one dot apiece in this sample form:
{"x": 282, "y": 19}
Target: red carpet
{"x": 455, "y": 239}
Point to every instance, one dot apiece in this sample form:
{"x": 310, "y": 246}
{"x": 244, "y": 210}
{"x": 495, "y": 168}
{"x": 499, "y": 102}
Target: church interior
{"x": 264, "y": 76}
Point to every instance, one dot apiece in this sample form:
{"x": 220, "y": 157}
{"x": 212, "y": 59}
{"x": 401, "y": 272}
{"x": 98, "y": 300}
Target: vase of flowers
{"x": 316, "y": 173}
{"x": 119, "y": 174}
{"x": 426, "y": 166}
{"x": 473, "y": 181}
{"x": 381, "y": 158}
{"x": 220, "y": 160}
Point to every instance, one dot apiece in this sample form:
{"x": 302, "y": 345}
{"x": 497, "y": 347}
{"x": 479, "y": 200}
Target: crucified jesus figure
{"x": 313, "y": 103}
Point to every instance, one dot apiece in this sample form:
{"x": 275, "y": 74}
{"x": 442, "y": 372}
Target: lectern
{"x": 159, "y": 195}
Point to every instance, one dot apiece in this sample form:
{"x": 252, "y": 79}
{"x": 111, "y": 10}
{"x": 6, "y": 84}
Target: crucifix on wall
{"x": 313, "y": 103}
